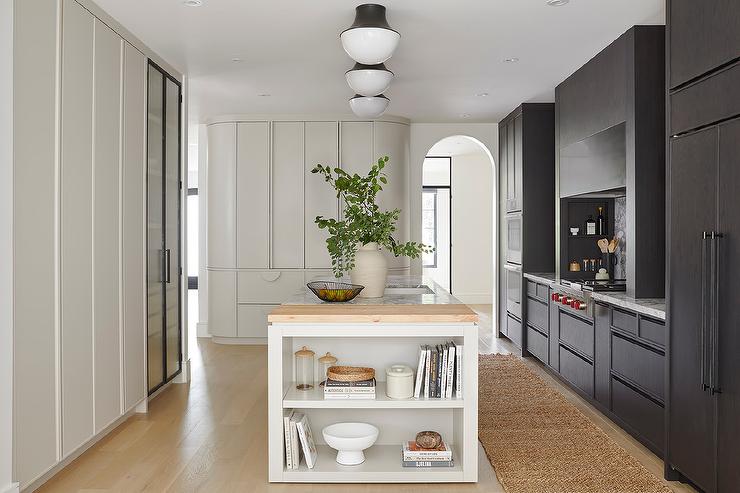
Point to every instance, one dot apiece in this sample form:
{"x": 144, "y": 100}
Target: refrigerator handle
{"x": 714, "y": 369}
{"x": 167, "y": 265}
{"x": 703, "y": 328}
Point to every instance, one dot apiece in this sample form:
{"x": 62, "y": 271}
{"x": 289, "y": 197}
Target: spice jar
{"x": 304, "y": 361}
{"x": 325, "y": 362}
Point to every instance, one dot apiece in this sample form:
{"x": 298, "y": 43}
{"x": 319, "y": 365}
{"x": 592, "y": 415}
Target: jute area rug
{"x": 538, "y": 442}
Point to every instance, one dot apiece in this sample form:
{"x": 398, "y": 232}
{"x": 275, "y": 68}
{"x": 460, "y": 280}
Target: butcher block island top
{"x": 408, "y": 299}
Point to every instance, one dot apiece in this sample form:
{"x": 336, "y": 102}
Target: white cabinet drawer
{"x": 252, "y": 320}
{"x": 270, "y": 286}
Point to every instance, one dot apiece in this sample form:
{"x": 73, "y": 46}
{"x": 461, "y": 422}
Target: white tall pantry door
{"x": 221, "y": 250}
{"x": 356, "y": 147}
{"x": 322, "y": 143}
{"x": 253, "y": 195}
{"x": 106, "y": 232}
{"x": 287, "y": 195}
{"x": 76, "y": 227}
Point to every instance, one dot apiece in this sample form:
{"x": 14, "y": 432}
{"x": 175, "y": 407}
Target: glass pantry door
{"x": 163, "y": 228}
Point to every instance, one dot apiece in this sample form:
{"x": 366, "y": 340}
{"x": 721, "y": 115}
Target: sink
{"x": 408, "y": 290}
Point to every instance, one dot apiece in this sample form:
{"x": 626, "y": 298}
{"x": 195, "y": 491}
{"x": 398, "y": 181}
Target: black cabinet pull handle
{"x": 167, "y": 265}
{"x": 704, "y": 346}
{"x": 714, "y": 369}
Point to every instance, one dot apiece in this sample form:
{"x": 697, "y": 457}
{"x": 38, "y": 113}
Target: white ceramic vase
{"x": 371, "y": 271}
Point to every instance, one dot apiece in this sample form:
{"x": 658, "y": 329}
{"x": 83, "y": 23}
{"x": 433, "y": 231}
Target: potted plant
{"x": 355, "y": 242}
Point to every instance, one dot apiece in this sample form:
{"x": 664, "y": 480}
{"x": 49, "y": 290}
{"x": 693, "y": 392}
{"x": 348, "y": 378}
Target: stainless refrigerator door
{"x": 155, "y": 246}
{"x": 172, "y": 228}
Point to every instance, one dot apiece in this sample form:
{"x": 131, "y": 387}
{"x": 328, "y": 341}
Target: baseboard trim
{"x": 201, "y": 329}
{"x": 244, "y": 341}
{"x": 43, "y": 478}
{"x": 12, "y": 488}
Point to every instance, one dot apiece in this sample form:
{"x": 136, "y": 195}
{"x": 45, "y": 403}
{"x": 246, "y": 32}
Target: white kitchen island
{"x": 375, "y": 333}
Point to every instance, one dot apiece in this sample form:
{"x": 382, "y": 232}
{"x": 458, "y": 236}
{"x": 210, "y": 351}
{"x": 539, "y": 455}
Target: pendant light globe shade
{"x": 369, "y": 80}
{"x": 368, "y": 106}
{"x": 370, "y": 40}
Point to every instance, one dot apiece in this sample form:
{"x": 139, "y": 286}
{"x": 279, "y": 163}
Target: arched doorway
{"x": 459, "y": 218}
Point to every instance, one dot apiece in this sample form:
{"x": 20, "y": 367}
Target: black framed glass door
{"x": 164, "y": 324}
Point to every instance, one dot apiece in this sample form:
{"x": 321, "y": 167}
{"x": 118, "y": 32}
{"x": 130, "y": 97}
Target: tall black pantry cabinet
{"x": 704, "y": 243}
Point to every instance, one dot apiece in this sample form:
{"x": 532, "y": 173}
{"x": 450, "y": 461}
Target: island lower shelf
{"x": 377, "y": 345}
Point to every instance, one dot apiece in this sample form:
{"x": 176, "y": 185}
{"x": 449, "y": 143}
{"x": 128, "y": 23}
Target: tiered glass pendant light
{"x": 369, "y": 41}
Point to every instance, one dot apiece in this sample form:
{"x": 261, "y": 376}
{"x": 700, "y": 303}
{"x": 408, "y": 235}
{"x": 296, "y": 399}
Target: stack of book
{"x": 364, "y": 389}
{"x": 439, "y": 374}
{"x": 415, "y": 456}
{"x": 299, "y": 440}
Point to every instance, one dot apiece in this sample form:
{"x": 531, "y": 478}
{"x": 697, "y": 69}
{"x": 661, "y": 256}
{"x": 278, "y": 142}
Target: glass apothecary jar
{"x": 325, "y": 362}
{"x": 304, "y": 364}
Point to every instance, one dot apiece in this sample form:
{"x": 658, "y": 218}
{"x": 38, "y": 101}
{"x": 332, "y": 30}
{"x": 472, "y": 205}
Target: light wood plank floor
{"x": 211, "y": 435}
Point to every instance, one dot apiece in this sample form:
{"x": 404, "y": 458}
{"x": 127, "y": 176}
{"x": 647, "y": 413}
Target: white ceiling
{"x": 450, "y": 51}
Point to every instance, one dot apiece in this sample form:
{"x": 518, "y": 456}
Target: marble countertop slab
{"x": 436, "y": 296}
{"x": 652, "y": 307}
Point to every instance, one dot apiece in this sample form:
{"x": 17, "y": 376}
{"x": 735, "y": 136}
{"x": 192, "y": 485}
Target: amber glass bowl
{"x": 334, "y": 292}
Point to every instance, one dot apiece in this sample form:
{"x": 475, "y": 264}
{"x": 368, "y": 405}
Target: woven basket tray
{"x": 349, "y": 373}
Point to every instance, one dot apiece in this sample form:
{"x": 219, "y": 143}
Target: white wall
{"x": 6, "y": 245}
{"x": 472, "y": 228}
{"x": 202, "y": 327}
{"x": 423, "y": 137}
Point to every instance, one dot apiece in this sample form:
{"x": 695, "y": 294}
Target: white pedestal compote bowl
{"x": 349, "y": 440}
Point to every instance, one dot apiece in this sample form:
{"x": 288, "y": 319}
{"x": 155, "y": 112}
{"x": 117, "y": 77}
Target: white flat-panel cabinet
{"x": 253, "y": 195}
{"x": 222, "y": 303}
{"x": 392, "y": 140}
{"x": 287, "y": 195}
{"x": 321, "y": 147}
{"x": 106, "y": 217}
{"x": 133, "y": 176}
{"x": 275, "y": 199}
{"x": 221, "y": 245}
{"x": 76, "y": 218}
{"x": 356, "y": 147}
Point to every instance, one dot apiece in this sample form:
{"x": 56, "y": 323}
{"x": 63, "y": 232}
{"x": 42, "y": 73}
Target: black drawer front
{"x": 514, "y": 293}
{"x": 641, "y": 413}
{"x": 514, "y": 330}
{"x": 577, "y": 333}
{"x": 537, "y": 345}
{"x": 577, "y": 371}
{"x": 642, "y": 366}
{"x": 707, "y": 101}
{"x": 537, "y": 314}
{"x": 543, "y": 292}
{"x": 626, "y": 321}
{"x": 652, "y": 330}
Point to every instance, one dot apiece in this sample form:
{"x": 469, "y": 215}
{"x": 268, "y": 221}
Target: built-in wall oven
{"x": 514, "y": 238}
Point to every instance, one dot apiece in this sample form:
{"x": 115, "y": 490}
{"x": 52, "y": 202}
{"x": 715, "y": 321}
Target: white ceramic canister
{"x": 399, "y": 382}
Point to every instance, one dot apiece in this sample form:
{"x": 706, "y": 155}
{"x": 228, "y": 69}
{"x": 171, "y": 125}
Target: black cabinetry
{"x": 610, "y": 125}
{"x": 704, "y": 243}
{"x": 527, "y": 191}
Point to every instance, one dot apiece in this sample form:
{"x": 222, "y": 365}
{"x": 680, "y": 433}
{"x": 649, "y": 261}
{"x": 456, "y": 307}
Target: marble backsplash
{"x": 620, "y": 230}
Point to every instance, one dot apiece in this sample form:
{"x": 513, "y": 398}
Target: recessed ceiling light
{"x": 236, "y": 59}
{"x": 465, "y": 115}
{"x": 511, "y": 60}
{"x": 192, "y": 3}
{"x": 482, "y": 95}
{"x": 264, "y": 95}
{"x": 556, "y": 3}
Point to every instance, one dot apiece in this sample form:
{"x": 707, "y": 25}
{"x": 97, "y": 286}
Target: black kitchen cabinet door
{"x": 510, "y": 173}
{"x": 704, "y": 34}
{"x": 518, "y": 162}
{"x": 693, "y": 210}
{"x": 602, "y": 359}
{"x": 729, "y": 308}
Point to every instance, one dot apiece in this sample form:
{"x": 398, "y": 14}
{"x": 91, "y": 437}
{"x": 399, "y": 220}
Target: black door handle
{"x": 167, "y": 266}
{"x": 704, "y": 313}
{"x": 714, "y": 368}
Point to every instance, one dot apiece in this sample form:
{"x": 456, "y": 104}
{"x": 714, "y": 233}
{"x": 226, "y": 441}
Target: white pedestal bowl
{"x": 349, "y": 440}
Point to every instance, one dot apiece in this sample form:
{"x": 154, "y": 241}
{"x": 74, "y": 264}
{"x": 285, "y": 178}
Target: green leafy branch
{"x": 363, "y": 221}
